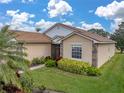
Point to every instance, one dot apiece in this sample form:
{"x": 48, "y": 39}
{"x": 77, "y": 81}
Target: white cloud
{"x": 31, "y": 22}
{"x": 22, "y": 27}
{"x": 87, "y": 26}
{"x": 12, "y": 12}
{"x": 20, "y": 19}
{"x": 114, "y": 25}
{"x": 44, "y": 10}
{"x": 44, "y": 24}
{"x": 113, "y": 10}
{"x": 26, "y": 1}
{"x": 91, "y": 11}
{"x": 5, "y": 1}
{"x": 58, "y": 7}
{"x": 1, "y": 25}
{"x": 47, "y": 24}
{"x": 68, "y": 23}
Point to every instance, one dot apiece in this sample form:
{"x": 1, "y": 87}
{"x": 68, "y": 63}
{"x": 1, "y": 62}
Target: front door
{"x": 55, "y": 51}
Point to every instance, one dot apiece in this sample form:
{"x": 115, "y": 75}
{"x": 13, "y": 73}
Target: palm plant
{"x": 11, "y": 53}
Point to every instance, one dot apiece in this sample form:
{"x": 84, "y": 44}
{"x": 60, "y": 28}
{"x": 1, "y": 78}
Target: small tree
{"x": 118, "y": 36}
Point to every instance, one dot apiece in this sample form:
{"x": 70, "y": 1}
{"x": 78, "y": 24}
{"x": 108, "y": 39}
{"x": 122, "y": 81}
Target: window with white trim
{"x": 77, "y": 51}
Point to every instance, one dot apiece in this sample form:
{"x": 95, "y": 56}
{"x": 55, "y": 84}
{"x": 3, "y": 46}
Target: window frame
{"x": 77, "y": 45}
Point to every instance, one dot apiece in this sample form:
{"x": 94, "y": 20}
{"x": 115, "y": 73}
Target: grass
{"x": 111, "y": 80}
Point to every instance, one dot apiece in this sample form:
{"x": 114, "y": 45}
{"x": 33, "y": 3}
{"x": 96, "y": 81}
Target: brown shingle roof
{"x": 31, "y": 37}
{"x": 83, "y": 32}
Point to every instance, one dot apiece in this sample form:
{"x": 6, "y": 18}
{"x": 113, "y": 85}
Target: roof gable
{"x": 82, "y": 32}
{"x": 58, "y": 30}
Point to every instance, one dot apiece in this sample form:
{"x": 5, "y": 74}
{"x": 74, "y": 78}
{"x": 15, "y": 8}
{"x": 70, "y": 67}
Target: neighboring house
{"x": 68, "y": 42}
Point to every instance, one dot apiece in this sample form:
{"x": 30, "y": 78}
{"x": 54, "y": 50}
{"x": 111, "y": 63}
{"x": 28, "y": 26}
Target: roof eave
{"x": 38, "y": 43}
{"x": 73, "y": 33}
{"x": 113, "y": 42}
{"x": 27, "y": 42}
{"x": 95, "y": 41}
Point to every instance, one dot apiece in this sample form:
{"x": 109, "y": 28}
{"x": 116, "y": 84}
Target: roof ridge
{"x": 82, "y": 30}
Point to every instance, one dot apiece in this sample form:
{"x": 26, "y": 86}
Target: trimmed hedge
{"x": 77, "y": 67}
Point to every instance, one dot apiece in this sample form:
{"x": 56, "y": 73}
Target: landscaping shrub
{"x": 73, "y": 66}
{"x": 37, "y": 61}
{"x": 42, "y": 60}
{"x": 48, "y": 57}
{"x": 50, "y": 63}
{"x": 77, "y": 67}
{"x": 92, "y": 71}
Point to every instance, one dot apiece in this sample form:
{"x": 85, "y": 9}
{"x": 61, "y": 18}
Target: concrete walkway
{"x": 33, "y": 68}
{"x": 37, "y": 67}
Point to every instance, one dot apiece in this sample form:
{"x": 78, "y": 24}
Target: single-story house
{"x": 68, "y": 42}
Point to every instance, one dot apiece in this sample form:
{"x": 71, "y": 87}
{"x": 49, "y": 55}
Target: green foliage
{"x": 9, "y": 46}
{"x": 77, "y": 67}
{"x": 73, "y": 66}
{"x": 92, "y": 71}
{"x": 38, "y": 29}
{"x": 37, "y": 61}
{"x": 12, "y": 65}
{"x": 8, "y": 75}
{"x": 19, "y": 65}
{"x": 25, "y": 62}
{"x": 47, "y": 58}
{"x": 27, "y": 83}
{"x": 100, "y": 32}
{"x": 50, "y": 63}
{"x": 110, "y": 81}
{"x": 118, "y": 36}
{"x": 10, "y": 56}
{"x": 42, "y": 59}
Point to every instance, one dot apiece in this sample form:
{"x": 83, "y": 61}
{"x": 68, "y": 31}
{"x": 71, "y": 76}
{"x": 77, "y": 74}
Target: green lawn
{"x": 111, "y": 80}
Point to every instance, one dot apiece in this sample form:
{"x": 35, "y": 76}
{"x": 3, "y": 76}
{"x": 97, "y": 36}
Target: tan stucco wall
{"x": 105, "y": 52}
{"x": 37, "y": 50}
{"x": 86, "y": 47}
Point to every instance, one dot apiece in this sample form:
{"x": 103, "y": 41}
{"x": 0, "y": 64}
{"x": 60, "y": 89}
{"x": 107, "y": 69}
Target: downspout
{"x": 94, "y": 54}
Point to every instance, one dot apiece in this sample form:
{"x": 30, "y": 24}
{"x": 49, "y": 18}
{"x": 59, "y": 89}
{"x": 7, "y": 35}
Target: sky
{"x": 85, "y": 14}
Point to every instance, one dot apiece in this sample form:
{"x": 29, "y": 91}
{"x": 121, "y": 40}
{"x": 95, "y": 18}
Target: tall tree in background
{"x": 38, "y": 29}
{"x": 118, "y": 36}
{"x": 100, "y": 32}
